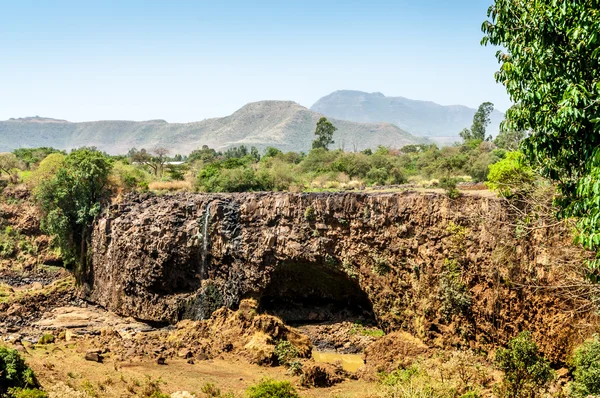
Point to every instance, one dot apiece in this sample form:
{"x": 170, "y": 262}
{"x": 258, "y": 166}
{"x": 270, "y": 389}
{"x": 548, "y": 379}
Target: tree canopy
{"x": 71, "y": 200}
{"x": 324, "y": 133}
{"x": 550, "y": 66}
{"x": 481, "y": 120}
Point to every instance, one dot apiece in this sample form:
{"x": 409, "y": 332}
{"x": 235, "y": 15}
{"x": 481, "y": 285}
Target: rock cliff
{"x": 463, "y": 272}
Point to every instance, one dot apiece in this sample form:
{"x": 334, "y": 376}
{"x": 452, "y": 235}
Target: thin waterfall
{"x": 205, "y": 239}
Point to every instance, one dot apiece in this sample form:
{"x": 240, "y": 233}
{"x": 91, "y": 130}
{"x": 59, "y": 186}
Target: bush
{"x": 285, "y": 352}
{"x": 14, "y": 373}
{"x": 449, "y": 185}
{"x": 510, "y": 175}
{"x": 525, "y": 371}
{"x": 27, "y": 393}
{"x": 269, "y": 388}
{"x": 587, "y": 369}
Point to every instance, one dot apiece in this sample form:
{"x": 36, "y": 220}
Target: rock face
{"x": 450, "y": 272}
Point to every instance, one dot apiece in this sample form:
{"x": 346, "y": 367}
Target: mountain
{"x": 282, "y": 124}
{"x": 424, "y": 118}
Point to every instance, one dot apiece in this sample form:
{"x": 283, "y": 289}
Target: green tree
{"x": 10, "y": 165}
{"x": 525, "y": 371}
{"x": 509, "y": 139}
{"x": 70, "y": 202}
{"x": 324, "y": 133}
{"x": 587, "y": 369}
{"x": 550, "y": 66}
{"x": 481, "y": 120}
{"x": 511, "y": 175}
{"x": 14, "y": 373}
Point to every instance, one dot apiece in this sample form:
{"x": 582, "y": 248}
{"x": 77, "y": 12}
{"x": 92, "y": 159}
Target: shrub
{"x": 269, "y": 388}
{"x": 510, "y": 175}
{"x": 587, "y": 369}
{"x": 285, "y": 352}
{"x": 449, "y": 185}
{"x": 309, "y": 214}
{"x": 27, "y": 393}
{"x": 525, "y": 371}
{"x": 46, "y": 339}
{"x": 454, "y": 296}
{"x": 14, "y": 373}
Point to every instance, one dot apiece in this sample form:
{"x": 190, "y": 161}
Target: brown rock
{"x": 94, "y": 356}
{"x": 161, "y": 360}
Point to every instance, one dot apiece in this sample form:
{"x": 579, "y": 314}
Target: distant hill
{"x": 423, "y": 118}
{"x": 282, "y": 124}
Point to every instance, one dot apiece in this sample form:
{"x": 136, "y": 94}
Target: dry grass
{"x": 170, "y": 186}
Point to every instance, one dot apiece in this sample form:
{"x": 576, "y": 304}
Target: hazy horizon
{"x": 191, "y": 61}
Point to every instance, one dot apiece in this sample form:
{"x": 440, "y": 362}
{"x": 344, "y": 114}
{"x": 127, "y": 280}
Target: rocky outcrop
{"x": 451, "y": 272}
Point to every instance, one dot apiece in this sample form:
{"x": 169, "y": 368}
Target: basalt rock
{"x": 451, "y": 272}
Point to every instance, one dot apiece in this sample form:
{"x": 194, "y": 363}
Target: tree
{"x": 509, "y": 139}
{"x": 481, "y": 120}
{"x": 155, "y": 160}
{"x": 9, "y": 164}
{"x": 70, "y": 202}
{"x": 550, "y": 66}
{"x": 46, "y": 170}
{"x": 525, "y": 371}
{"x": 324, "y": 133}
{"x": 586, "y": 375}
{"x": 32, "y": 156}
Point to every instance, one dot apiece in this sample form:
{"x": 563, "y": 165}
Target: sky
{"x": 189, "y": 60}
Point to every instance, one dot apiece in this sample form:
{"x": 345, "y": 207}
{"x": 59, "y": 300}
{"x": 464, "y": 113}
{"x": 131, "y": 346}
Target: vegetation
{"x": 70, "y": 201}
{"x": 16, "y": 378}
{"x": 269, "y": 388}
{"x": 481, "y": 120}
{"x": 324, "y": 134}
{"x": 511, "y": 176}
{"x": 550, "y": 67}
{"x": 526, "y": 373}
{"x": 285, "y": 352}
{"x": 587, "y": 369}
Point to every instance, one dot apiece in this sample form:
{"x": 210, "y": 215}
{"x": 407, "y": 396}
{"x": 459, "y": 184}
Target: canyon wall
{"x": 467, "y": 272}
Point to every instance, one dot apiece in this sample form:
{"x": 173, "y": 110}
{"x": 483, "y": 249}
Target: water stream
{"x": 350, "y": 362}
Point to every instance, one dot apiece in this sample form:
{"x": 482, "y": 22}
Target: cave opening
{"x": 310, "y": 293}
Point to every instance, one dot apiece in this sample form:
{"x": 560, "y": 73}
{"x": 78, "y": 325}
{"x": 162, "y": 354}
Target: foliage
{"x": 71, "y": 200}
{"x": 285, "y": 352}
{"x": 324, "y": 133}
{"x": 509, "y": 139}
{"x": 129, "y": 177}
{"x": 481, "y": 120}
{"x": 46, "y": 170}
{"x": 525, "y": 371}
{"x": 550, "y": 66}
{"x": 454, "y": 296}
{"x": 586, "y": 375}
{"x": 33, "y": 156}
{"x": 14, "y": 373}
{"x": 26, "y": 393}
{"x": 10, "y": 164}
{"x": 269, "y": 388}
{"x": 511, "y": 175}
{"x": 449, "y": 185}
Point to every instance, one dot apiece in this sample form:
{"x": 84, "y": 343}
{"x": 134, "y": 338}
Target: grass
{"x": 364, "y": 331}
{"x": 9, "y": 295}
{"x": 170, "y": 186}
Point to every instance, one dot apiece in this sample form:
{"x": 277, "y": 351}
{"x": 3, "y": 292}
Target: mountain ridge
{"x": 418, "y": 117}
{"x": 285, "y": 125}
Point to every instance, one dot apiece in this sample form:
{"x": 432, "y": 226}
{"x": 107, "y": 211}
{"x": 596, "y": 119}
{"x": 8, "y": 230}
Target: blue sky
{"x": 190, "y": 60}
